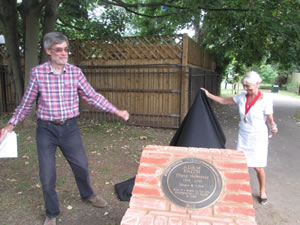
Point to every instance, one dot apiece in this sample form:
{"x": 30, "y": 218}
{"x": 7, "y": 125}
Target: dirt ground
{"x": 113, "y": 150}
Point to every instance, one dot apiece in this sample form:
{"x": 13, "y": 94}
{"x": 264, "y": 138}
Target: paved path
{"x": 283, "y": 170}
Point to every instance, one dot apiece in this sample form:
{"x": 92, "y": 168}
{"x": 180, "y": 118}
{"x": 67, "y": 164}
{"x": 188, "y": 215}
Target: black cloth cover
{"x": 124, "y": 189}
{"x": 200, "y": 127}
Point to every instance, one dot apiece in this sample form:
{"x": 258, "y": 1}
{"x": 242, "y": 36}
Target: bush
{"x": 292, "y": 87}
{"x": 267, "y": 73}
{"x": 281, "y": 80}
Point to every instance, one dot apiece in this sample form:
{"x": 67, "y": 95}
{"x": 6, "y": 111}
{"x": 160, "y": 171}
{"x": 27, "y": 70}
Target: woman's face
{"x": 250, "y": 88}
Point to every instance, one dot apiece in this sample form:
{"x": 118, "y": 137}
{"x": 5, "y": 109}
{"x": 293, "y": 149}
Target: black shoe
{"x": 263, "y": 201}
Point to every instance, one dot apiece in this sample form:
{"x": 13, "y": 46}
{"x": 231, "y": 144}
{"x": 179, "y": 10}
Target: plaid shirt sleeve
{"x": 27, "y": 102}
{"x": 87, "y": 92}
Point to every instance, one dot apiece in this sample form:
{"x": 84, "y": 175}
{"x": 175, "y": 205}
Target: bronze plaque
{"x": 191, "y": 183}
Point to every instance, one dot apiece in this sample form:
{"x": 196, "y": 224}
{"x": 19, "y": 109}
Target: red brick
{"x": 202, "y": 212}
{"x": 175, "y": 208}
{"x": 231, "y": 165}
{"x": 179, "y": 156}
{"x": 238, "y": 198}
{"x": 154, "y": 209}
{"x": 237, "y": 176}
{"x": 160, "y": 220}
{"x": 148, "y": 203}
{"x": 148, "y": 170}
{"x": 203, "y": 223}
{"x": 237, "y": 187}
{"x": 233, "y": 211}
{"x": 174, "y": 221}
{"x": 145, "y": 191}
{"x": 140, "y": 179}
{"x": 212, "y": 219}
{"x": 132, "y": 216}
{"x": 245, "y": 222}
{"x": 169, "y": 214}
{"x": 146, "y": 220}
{"x": 151, "y": 148}
{"x": 157, "y": 154}
{"x": 189, "y": 222}
{"x": 129, "y": 220}
{"x": 156, "y": 161}
{"x": 136, "y": 212}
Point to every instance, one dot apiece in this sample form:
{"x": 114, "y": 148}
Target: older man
{"x": 56, "y": 86}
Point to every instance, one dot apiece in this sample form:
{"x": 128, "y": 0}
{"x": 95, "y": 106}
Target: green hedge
{"x": 292, "y": 87}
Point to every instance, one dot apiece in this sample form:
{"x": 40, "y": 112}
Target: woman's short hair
{"x": 54, "y": 38}
{"x": 251, "y": 77}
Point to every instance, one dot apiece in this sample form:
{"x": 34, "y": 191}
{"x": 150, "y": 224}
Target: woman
{"x": 255, "y": 110}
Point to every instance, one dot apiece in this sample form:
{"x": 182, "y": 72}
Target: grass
{"x": 228, "y": 93}
{"x": 298, "y": 114}
{"x": 291, "y": 94}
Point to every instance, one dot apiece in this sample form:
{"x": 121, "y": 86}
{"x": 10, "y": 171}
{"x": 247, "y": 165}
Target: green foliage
{"x": 267, "y": 73}
{"x": 248, "y": 31}
{"x": 80, "y": 19}
{"x": 292, "y": 87}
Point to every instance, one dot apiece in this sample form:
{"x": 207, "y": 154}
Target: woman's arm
{"x": 271, "y": 123}
{"x": 219, "y": 99}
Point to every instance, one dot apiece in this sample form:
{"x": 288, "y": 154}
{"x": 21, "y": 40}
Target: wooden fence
{"x": 154, "y": 78}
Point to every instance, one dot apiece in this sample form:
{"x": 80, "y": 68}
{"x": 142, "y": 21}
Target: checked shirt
{"x": 58, "y": 95}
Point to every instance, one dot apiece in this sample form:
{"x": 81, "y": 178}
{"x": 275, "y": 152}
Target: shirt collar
{"x": 52, "y": 70}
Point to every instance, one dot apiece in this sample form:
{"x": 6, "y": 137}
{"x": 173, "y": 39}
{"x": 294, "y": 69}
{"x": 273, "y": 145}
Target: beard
{"x": 62, "y": 60}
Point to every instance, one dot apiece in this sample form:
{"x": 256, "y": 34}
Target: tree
{"x": 25, "y": 23}
{"x": 8, "y": 18}
{"x": 247, "y": 31}
{"x": 243, "y": 30}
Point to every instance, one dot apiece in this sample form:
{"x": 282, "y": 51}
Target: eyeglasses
{"x": 59, "y": 50}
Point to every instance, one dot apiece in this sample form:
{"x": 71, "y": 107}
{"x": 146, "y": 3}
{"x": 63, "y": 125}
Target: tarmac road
{"x": 283, "y": 170}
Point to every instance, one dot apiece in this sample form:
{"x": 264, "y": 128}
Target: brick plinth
{"x": 149, "y": 206}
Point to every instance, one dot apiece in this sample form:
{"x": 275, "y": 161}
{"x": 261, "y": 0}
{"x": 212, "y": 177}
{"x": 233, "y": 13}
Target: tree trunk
{"x": 51, "y": 13}
{"x": 8, "y": 17}
{"x": 198, "y": 23}
{"x": 31, "y": 17}
{"x": 31, "y": 13}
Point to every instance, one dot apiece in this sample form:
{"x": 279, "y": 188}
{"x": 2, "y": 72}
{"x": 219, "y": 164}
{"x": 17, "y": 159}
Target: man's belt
{"x": 57, "y": 122}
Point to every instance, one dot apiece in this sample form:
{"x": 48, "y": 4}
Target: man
{"x": 57, "y": 85}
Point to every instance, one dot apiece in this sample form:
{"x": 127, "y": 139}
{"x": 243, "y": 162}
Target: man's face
{"x": 59, "y": 53}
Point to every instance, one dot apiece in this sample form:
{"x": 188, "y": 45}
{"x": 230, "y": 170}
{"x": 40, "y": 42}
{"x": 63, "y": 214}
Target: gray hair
{"x": 54, "y": 38}
{"x": 251, "y": 77}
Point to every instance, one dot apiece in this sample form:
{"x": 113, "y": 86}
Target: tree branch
{"x": 69, "y": 25}
{"x": 146, "y": 15}
{"x": 130, "y": 7}
{"x": 158, "y": 4}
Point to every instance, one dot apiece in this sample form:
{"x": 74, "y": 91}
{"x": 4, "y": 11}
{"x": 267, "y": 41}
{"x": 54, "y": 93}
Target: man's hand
{"x": 4, "y": 131}
{"x": 123, "y": 114}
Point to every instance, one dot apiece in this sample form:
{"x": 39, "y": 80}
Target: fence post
{"x": 184, "y": 78}
{"x": 3, "y": 89}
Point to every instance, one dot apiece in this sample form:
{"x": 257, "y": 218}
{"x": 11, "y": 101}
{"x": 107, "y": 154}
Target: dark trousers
{"x": 67, "y": 137}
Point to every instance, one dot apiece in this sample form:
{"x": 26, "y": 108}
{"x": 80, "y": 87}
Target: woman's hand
{"x": 206, "y": 91}
{"x": 274, "y": 129}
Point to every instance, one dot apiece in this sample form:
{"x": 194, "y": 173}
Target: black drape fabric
{"x": 124, "y": 189}
{"x": 200, "y": 127}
